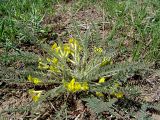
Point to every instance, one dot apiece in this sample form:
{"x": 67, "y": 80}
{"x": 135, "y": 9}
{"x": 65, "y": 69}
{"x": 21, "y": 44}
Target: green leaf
{"x": 98, "y": 105}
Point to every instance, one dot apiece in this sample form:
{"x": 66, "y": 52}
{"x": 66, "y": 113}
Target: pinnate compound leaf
{"x": 98, "y": 105}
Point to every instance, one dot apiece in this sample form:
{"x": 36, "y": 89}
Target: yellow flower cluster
{"x": 50, "y": 65}
{"x": 53, "y": 65}
{"x": 119, "y": 94}
{"x": 98, "y": 50}
{"x": 74, "y": 45}
{"x": 73, "y": 86}
{"x": 61, "y": 51}
{"x": 106, "y": 61}
{"x": 34, "y": 80}
{"x": 35, "y": 94}
{"x": 53, "y": 60}
{"x": 101, "y": 80}
{"x": 42, "y": 65}
{"x": 68, "y": 48}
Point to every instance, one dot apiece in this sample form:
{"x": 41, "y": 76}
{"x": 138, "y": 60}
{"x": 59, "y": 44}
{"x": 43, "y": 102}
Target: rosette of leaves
{"x": 76, "y": 68}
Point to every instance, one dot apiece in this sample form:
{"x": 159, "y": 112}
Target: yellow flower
{"x": 101, "y": 80}
{"x": 73, "y": 86}
{"x": 119, "y": 94}
{"x": 106, "y": 61}
{"x": 72, "y": 41}
{"x": 42, "y": 65}
{"x": 99, "y": 94}
{"x": 35, "y": 94}
{"x": 77, "y": 86}
{"x": 48, "y": 59}
{"x": 54, "y": 69}
{"x": 62, "y": 51}
{"x": 54, "y": 60}
{"x": 34, "y": 80}
{"x": 74, "y": 44}
{"x": 55, "y": 47}
{"x": 66, "y": 50}
{"x": 30, "y": 78}
{"x": 84, "y": 86}
{"x": 98, "y": 50}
